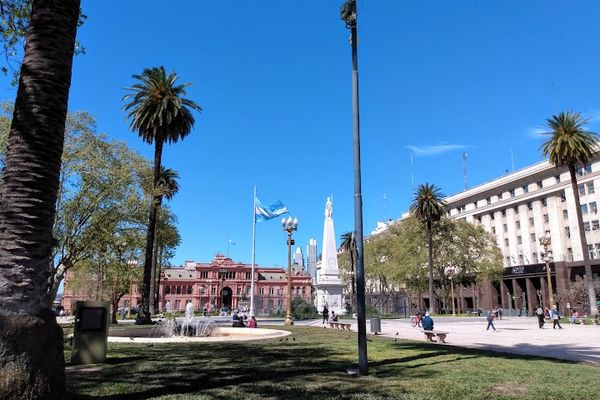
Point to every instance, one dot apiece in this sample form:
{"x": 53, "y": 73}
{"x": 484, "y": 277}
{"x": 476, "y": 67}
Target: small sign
{"x": 518, "y": 270}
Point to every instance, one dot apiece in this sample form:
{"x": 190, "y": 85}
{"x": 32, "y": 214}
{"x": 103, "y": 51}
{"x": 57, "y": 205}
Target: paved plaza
{"x": 516, "y": 335}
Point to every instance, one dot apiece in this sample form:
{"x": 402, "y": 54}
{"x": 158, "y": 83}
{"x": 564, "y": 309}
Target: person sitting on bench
{"x": 427, "y": 322}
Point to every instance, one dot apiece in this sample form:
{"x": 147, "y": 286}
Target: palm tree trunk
{"x": 584, "y": 246}
{"x": 430, "y": 250}
{"x": 153, "y": 272}
{"x": 143, "y": 316}
{"x": 31, "y": 343}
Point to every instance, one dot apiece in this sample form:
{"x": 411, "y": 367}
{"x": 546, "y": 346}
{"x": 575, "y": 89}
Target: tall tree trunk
{"x": 584, "y": 247}
{"x": 143, "y": 316}
{"x": 31, "y": 342}
{"x": 432, "y": 308}
{"x": 153, "y": 272}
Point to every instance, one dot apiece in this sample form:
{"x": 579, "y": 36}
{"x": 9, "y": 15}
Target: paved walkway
{"x": 516, "y": 335}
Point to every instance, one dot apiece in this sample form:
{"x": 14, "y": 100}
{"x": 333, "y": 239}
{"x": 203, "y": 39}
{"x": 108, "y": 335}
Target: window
{"x": 516, "y": 210}
{"x": 500, "y": 196}
{"x": 248, "y": 275}
{"x": 546, "y": 219}
{"x": 539, "y": 184}
{"x": 167, "y": 289}
{"x": 581, "y": 189}
{"x": 526, "y": 189}
{"x": 563, "y": 196}
{"x": 584, "y": 208}
{"x": 521, "y": 259}
{"x": 544, "y": 202}
{"x": 590, "y": 187}
{"x": 488, "y": 200}
{"x": 518, "y": 223}
{"x": 512, "y": 192}
{"x": 262, "y": 290}
{"x": 202, "y": 289}
{"x": 557, "y": 178}
{"x": 529, "y": 206}
{"x": 565, "y": 214}
{"x": 239, "y": 290}
{"x": 535, "y": 257}
{"x": 189, "y": 290}
{"x": 508, "y": 261}
{"x": 530, "y": 221}
{"x": 591, "y": 251}
{"x": 532, "y": 236}
{"x": 505, "y": 227}
{"x": 203, "y": 274}
{"x": 583, "y": 171}
{"x": 593, "y": 207}
{"x": 570, "y": 253}
{"x": 568, "y": 231}
{"x": 494, "y": 230}
{"x": 519, "y": 240}
{"x": 213, "y": 290}
{"x": 595, "y": 224}
{"x": 597, "y": 248}
{"x": 504, "y": 213}
{"x": 506, "y": 242}
{"x": 178, "y": 290}
{"x": 492, "y": 217}
{"x": 586, "y": 226}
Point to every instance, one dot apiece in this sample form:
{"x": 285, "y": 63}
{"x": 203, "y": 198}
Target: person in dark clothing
{"x": 490, "y": 321}
{"x": 427, "y": 322}
{"x": 325, "y": 314}
{"x": 539, "y": 313}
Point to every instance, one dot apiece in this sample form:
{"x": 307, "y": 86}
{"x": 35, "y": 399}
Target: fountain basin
{"x": 225, "y": 335}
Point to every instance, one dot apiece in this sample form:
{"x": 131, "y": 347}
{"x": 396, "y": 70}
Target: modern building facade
{"x": 218, "y": 284}
{"x": 311, "y": 258}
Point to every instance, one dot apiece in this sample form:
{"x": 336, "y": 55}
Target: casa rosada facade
{"x": 217, "y": 284}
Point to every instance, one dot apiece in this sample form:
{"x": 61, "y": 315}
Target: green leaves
{"x": 427, "y": 204}
{"x": 569, "y": 143}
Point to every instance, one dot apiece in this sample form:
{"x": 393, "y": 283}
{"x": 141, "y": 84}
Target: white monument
{"x": 329, "y": 285}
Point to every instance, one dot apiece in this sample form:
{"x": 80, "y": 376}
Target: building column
{"x": 516, "y": 292}
{"x": 562, "y": 280}
{"x": 531, "y": 296}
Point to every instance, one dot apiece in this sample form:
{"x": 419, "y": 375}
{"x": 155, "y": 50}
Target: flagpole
{"x": 253, "y": 252}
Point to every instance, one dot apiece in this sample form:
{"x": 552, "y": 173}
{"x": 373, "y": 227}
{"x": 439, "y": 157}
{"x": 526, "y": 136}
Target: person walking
{"x": 325, "y": 314}
{"x": 555, "y": 315}
{"x": 500, "y": 312}
{"x": 490, "y": 321}
{"x": 540, "y": 316}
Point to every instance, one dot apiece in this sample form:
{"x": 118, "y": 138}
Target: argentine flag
{"x": 266, "y": 213}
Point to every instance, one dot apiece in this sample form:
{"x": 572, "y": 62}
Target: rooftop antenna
{"x": 464, "y": 161}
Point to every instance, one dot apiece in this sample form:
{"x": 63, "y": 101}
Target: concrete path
{"x": 515, "y": 335}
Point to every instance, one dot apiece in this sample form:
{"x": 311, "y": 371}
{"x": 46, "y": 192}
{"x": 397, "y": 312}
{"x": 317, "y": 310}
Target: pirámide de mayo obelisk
{"x": 329, "y": 285}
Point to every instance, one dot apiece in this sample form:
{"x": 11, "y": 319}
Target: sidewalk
{"x": 580, "y": 343}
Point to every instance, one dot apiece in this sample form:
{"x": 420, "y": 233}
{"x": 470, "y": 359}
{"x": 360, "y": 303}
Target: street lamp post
{"x": 451, "y": 271}
{"x": 545, "y": 242}
{"x": 222, "y": 272}
{"x": 349, "y": 15}
{"x": 289, "y": 225}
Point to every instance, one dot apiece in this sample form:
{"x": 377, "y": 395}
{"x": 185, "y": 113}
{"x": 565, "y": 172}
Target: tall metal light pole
{"x": 289, "y": 226}
{"x": 451, "y": 271}
{"x": 348, "y": 15}
{"x": 545, "y": 241}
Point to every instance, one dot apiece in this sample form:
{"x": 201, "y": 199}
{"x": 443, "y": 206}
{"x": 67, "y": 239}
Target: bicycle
{"x": 415, "y": 321}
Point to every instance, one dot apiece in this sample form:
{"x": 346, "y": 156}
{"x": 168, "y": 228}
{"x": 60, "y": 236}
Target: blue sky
{"x": 437, "y": 78}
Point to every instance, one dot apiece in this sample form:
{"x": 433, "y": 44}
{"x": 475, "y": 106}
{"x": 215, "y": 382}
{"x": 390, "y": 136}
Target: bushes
{"x": 303, "y": 310}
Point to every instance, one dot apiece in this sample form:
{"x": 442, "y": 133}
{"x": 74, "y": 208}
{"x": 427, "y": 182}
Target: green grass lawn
{"x": 313, "y": 367}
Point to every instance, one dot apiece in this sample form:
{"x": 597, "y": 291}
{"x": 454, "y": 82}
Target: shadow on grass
{"x": 311, "y": 364}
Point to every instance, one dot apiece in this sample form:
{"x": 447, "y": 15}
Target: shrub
{"x": 303, "y": 310}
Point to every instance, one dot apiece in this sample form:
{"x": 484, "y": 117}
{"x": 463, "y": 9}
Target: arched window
{"x": 202, "y": 289}
{"x": 167, "y": 289}
{"x": 189, "y": 290}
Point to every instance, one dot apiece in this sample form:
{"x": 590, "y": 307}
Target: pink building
{"x": 217, "y": 284}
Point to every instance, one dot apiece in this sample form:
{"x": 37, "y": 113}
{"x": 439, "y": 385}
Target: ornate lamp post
{"x": 289, "y": 225}
{"x": 451, "y": 271}
{"x": 545, "y": 241}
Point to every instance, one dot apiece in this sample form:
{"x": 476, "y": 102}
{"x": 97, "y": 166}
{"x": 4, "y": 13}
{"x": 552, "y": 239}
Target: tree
{"x": 27, "y": 207}
{"x": 349, "y": 245}
{"x": 576, "y": 293}
{"x": 168, "y": 240}
{"x": 570, "y": 145}
{"x": 160, "y": 115}
{"x": 14, "y": 21}
{"x": 428, "y": 207}
{"x": 167, "y": 187}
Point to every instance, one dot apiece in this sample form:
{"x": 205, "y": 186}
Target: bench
{"x": 440, "y": 334}
{"x": 338, "y": 325}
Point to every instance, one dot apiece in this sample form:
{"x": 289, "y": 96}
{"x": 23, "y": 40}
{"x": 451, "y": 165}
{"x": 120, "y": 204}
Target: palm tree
{"x": 428, "y": 207}
{"x": 167, "y": 187}
{"x": 570, "y": 145}
{"x": 349, "y": 244}
{"x": 32, "y": 359}
{"x": 160, "y": 115}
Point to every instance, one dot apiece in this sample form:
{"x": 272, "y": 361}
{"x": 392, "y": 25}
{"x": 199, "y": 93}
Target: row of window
{"x": 296, "y": 291}
{"x": 225, "y": 275}
{"x": 589, "y": 186}
{"x": 591, "y": 207}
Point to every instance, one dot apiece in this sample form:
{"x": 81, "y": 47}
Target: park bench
{"x": 440, "y": 334}
{"x": 338, "y": 325}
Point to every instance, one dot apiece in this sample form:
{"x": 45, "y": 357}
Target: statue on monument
{"x": 328, "y": 208}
